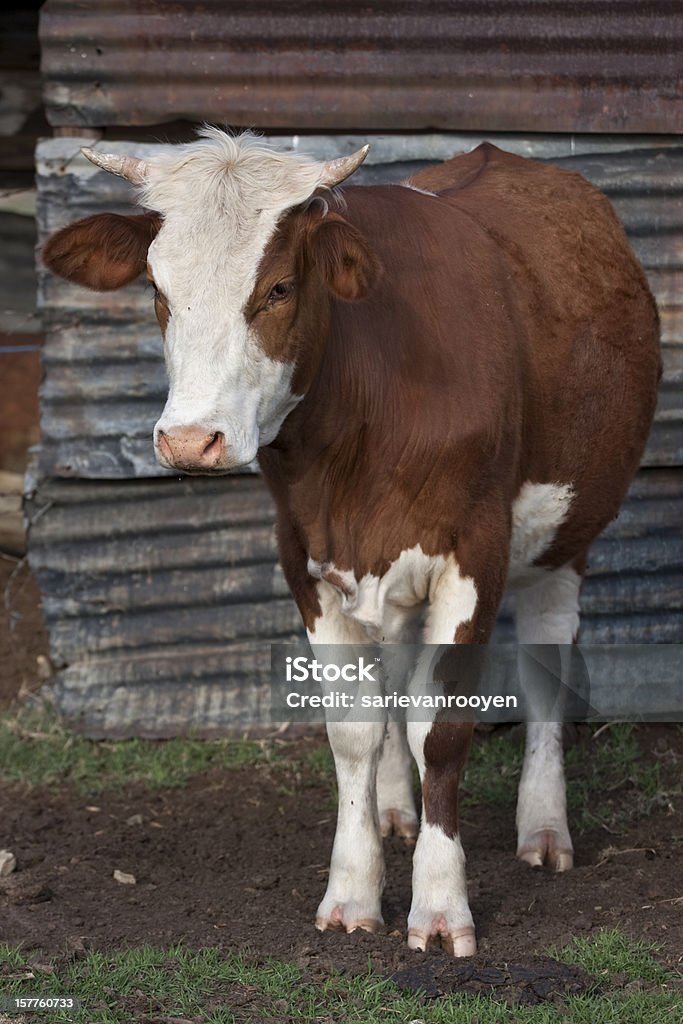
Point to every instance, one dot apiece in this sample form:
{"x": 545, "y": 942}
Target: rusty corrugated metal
{"x": 104, "y": 381}
{"x": 393, "y": 65}
{"x": 162, "y": 597}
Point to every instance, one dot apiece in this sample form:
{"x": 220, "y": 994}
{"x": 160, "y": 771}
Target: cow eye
{"x": 160, "y": 304}
{"x": 281, "y": 291}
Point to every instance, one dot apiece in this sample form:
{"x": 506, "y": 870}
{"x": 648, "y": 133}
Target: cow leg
{"x": 395, "y": 785}
{"x": 440, "y": 908}
{"x": 395, "y": 796}
{"x": 547, "y": 613}
{"x": 356, "y": 879}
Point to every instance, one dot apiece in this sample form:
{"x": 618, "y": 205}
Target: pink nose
{"x": 192, "y": 448}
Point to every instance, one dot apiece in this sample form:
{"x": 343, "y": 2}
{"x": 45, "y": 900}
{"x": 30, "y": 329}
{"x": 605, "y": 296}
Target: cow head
{"x": 244, "y": 263}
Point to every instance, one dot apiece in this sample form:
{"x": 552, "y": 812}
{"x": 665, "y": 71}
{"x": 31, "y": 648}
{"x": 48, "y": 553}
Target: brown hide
{"x": 511, "y": 338}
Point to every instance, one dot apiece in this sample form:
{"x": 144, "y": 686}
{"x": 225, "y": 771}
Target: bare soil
{"x": 239, "y": 860}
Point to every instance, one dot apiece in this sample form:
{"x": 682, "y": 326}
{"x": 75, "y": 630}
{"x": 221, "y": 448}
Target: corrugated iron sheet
{"x": 104, "y": 381}
{"x": 393, "y": 65}
{"x": 162, "y": 597}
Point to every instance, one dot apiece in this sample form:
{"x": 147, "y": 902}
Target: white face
{"x": 220, "y": 206}
{"x": 220, "y": 379}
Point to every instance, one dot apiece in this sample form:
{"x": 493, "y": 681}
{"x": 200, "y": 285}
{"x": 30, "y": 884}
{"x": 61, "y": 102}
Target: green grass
{"x": 609, "y": 952}
{"x": 37, "y": 749}
{"x": 145, "y": 984}
{"x": 493, "y": 769}
{"x": 609, "y": 782}
{"x": 599, "y": 775}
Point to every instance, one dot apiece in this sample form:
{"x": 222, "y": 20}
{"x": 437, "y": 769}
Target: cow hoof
{"x": 461, "y": 942}
{"x": 345, "y": 917}
{"x": 543, "y": 848}
{"x": 399, "y": 823}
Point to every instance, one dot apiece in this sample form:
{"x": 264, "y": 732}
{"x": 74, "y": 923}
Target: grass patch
{"x": 609, "y": 952}
{"x": 598, "y": 776}
{"x": 493, "y": 769}
{"x": 609, "y": 781}
{"x": 38, "y": 750}
{"x": 146, "y": 984}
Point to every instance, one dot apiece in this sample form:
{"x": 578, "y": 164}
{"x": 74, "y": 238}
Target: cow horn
{"x": 132, "y": 168}
{"x": 336, "y": 171}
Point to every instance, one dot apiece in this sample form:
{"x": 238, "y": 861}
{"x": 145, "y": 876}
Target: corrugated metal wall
{"x": 162, "y": 597}
{"x": 162, "y": 594}
{"x": 484, "y": 65}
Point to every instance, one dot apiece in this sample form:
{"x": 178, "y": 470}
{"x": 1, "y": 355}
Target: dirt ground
{"x": 239, "y": 860}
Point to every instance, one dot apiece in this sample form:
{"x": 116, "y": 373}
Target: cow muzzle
{"x": 194, "y": 450}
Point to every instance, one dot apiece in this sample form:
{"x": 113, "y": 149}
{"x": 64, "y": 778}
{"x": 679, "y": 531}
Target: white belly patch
{"x": 538, "y": 511}
{"x": 383, "y": 604}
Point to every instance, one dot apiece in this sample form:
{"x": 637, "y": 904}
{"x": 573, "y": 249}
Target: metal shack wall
{"x": 161, "y": 595}
{"x": 588, "y": 66}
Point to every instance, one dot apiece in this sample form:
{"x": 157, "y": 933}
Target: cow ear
{"x": 103, "y": 252}
{"x": 343, "y": 258}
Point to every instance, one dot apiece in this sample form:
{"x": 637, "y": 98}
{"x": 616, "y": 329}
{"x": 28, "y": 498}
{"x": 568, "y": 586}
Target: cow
{"x": 448, "y": 384}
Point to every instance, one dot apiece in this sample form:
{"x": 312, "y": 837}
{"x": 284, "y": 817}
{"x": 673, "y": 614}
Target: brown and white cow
{"x": 448, "y": 385}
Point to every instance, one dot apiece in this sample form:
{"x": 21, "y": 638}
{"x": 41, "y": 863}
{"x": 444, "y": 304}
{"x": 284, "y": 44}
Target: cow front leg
{"x": 458, "y": 612}
{"x": 547, "y": 613}
{"x": 356, "y": 878}
{"x": 440, "y": 908}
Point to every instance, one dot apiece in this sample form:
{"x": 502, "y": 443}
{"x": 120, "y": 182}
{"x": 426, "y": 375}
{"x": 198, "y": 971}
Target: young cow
{"x": 448, "y": 385}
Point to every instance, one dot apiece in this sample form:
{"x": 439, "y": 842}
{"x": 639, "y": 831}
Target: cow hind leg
{"x": 395, "y": 782}
{"x": 395, "y": 796}
{"x": 547, "y": 613}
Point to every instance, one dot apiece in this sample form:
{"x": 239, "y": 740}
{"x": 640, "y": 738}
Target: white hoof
{"x": 546, "y": 847}
{"x": 347, "y": 917}
{"x": 393, "y": 821}
{"x": 458, "y": 942}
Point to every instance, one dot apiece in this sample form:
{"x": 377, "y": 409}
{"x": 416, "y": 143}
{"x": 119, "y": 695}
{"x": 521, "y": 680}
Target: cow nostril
{"x": 164, "y": 446}
{"x": 215, "y": 445}
{"x": 191, "y": 448}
